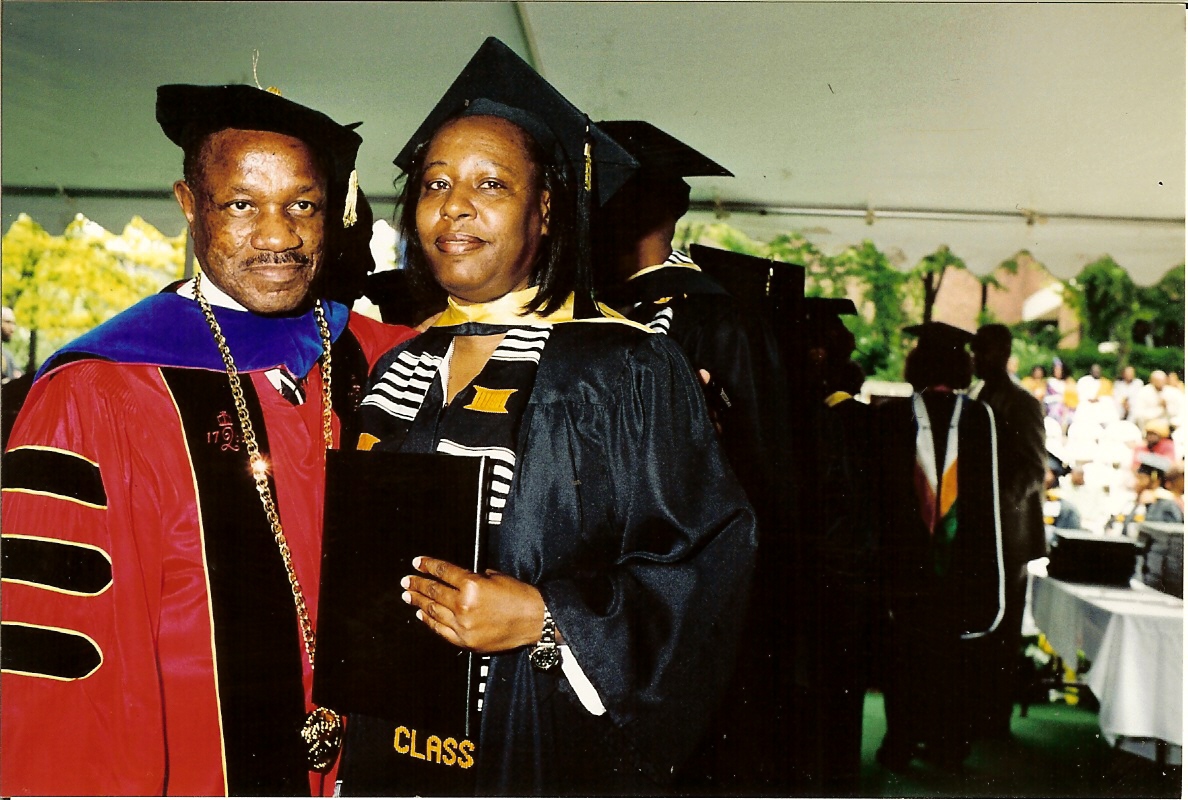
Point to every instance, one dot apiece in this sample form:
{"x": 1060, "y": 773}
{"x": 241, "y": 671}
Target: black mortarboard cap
{"x": 660, "y": 154}
{"x": 776, "y": 286}
{"x": 822, "y": 325}
{"x": 187, "y": 113}
{"x": 497, "y": 82}
{"x": 823, "y": 308}
{"x": 941, "y": 335}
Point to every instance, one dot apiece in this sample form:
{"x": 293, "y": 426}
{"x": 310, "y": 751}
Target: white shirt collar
{"x": 213, "y": 294}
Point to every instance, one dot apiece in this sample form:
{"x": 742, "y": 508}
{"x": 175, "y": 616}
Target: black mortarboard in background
{"x": 654, "y": 197}
{"x": 188, "y": 113}
{"x": 819, "y": 310}
{"x": 774, "y": 287}
{"x": 940, "y": 335}
{"x": 660, "y": 154}
{"x": 823, "y": 327}
{"x": 497, "y": 82}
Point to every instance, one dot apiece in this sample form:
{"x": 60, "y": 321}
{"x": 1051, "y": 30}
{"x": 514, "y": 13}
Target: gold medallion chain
{"x": 323, "y": 728}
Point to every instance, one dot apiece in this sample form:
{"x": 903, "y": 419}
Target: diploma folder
{"x": 374, "y": 658}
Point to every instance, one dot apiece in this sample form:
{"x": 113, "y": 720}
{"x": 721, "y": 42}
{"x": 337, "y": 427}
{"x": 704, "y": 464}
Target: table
{"x": 1134, "y": 639}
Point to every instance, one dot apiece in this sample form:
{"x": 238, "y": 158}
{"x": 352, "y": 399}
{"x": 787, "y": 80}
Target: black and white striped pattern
{"x": 402, "y": 389}
{"x": 662, "y": 322}
{"x": 677, "y": 258}
{"x": 522, "y": 344}
{"x": 484, "y": 668}
{"x": 503, "y": 467}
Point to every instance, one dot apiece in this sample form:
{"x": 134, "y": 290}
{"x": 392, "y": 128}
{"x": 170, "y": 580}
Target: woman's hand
{"x": 485, "y": 613}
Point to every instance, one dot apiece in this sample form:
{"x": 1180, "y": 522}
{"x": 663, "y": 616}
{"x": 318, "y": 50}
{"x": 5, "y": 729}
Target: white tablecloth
{"x": 1135, "y": 640}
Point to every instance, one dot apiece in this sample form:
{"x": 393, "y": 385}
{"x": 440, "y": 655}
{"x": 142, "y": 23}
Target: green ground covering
{"x": 1057, "y": 751}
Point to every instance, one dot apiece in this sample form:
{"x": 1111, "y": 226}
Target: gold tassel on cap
{"x": 589, "y": 165}
{"x": 349, "y": 215}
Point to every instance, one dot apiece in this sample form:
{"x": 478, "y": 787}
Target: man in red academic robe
{"x": 159, "y": 620}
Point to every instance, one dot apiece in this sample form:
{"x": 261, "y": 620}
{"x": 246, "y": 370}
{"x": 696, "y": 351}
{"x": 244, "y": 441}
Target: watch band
{"x": 548, "y": 630}
{"x": 545, "y": 654}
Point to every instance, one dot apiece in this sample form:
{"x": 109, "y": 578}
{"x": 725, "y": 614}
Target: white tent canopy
{"x": 1057, "y": 128}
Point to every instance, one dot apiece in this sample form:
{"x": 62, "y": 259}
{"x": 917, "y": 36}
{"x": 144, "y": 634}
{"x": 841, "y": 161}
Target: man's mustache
{"x": 278, "y": 260}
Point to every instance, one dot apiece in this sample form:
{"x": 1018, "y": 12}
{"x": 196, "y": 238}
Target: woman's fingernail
{"x": 406, "y": 582}
{"x": 406, "y": 597}
{"x": 417, "y": 562}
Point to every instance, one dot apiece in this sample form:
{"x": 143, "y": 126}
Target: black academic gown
{"x": 835, "y": 597}
{"x": 1022, "y": 455}
{"x": 627, "y": 518}
{"x": 737, "y": 348}
{"x": 746, "y": 749}
{"x": 931, "y": 615}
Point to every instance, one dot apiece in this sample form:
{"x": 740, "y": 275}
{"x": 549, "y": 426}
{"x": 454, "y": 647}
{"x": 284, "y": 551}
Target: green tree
{"x": 990, "y": 280}
{"x": 718, "y": 234}
{"x": 1162, "y": 307}
{"x": 931, "y": 272}
{"x": 881, "y": 311}
{"x": 1105, "y": 300}
{"x": 62, "y": 286}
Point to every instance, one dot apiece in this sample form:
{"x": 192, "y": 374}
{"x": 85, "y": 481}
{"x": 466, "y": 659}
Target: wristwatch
{"x": 545, "y": 654}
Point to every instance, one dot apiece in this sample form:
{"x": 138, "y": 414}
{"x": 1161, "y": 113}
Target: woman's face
{"x": 481, "y": 212}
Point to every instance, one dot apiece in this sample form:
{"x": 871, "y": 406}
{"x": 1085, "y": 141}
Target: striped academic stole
{"x": 482, "y": 420}
{"x": 661, "y": 322}
{"x": 936, "y": 493}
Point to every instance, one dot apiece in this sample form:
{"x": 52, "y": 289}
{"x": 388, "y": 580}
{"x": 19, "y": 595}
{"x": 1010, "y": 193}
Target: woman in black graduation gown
{"x": 613, "y": 522}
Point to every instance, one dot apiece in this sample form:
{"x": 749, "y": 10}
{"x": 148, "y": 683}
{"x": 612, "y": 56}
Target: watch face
{"x": 545, "y": 657}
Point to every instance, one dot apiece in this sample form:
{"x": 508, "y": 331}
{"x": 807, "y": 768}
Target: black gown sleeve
{"x": 654, "y": 626}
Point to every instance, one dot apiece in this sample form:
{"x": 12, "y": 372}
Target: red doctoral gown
{"x": 150, "y": 640}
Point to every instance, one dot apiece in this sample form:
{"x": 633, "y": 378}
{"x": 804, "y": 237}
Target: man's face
{"x": 1128, "y": 374}
{"x": 257, "y": 217}
{"x": 1095, "y": 371}
{"x": 7, "y": 328}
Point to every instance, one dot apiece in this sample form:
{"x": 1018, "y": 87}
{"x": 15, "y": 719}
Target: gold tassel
{"x": 349, "y": 215}
{"x": 589, "y": 166}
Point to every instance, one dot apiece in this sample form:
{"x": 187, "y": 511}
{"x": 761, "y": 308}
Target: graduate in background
{"x": 835, "y": 586}
{"x": 940, "y": 548}
{"x": 642, "y": 276}
{"x": 1021, "y": 461}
